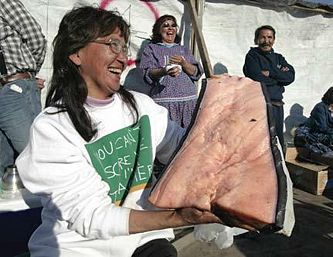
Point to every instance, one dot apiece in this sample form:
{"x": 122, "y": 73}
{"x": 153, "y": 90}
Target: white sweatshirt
{"x": 82, "y": 185}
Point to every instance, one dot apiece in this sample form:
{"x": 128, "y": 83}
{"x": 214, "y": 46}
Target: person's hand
{"x": 285, "y": 69}
{"x": 265, "y": 73}
{"x": 40, "y": 83}
{"x": 174, "y": 71}
{"x": 195, "y": 216}
{"x": 177, "y": 59}
{"x": 189, "y": 68}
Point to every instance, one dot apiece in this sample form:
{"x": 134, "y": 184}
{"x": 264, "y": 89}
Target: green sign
{"x": 124, "y": 159}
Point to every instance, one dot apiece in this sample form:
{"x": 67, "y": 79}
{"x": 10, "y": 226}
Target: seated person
{"x": 314, "y": 138}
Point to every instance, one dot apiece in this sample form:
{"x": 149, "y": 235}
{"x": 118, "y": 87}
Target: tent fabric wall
{"x": 304, "y": 37}
{"x": 318, "y": 4}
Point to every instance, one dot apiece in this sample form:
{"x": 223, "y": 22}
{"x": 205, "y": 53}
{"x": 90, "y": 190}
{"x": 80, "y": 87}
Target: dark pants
{"x": 278, "y": 118}
{"x": 156, "y": 248}
{"x": 16, "y": 229}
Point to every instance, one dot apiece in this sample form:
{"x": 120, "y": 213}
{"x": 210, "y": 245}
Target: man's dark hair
{"x": 328, "y": 96}
{"x": 68, "y": 90}
{"x": 257, "y": 32}
{"x": 156, "y": 36}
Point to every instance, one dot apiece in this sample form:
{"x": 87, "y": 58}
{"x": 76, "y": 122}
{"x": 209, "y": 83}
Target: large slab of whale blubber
{"x": 230, "y": 162}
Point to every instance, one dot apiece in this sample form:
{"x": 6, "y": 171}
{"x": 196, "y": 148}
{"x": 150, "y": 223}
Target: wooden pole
{"x": 199, "y": 6}
{"x": 200, "y": 40}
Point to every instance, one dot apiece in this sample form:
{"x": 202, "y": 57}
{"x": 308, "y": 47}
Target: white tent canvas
{"x": 304, "y": 37}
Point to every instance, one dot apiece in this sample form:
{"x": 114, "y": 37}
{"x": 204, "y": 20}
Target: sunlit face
{"x": 168, "y": 31}
{"x": 266, "y": 40}
{"x": 101, "y": 67}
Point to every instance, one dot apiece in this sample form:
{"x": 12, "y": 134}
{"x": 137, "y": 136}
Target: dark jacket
{"x": 320, "y": 120}
{"x": 257, "y": 61}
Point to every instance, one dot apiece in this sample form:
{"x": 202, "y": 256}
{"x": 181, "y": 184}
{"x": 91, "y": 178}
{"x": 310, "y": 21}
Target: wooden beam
{"x": 200, "y": 40}
{"x": 199, "y": 6}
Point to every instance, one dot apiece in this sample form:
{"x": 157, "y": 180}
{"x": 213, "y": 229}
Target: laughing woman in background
{"x": 170, "y": 70}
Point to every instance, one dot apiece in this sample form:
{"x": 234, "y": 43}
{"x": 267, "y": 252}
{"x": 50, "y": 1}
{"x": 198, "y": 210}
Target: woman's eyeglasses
{"x": 115, "y": 46}
{"x": 167, "y": 25}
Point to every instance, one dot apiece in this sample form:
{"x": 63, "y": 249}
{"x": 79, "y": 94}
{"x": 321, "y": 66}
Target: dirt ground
{"x": 312, "y": 235}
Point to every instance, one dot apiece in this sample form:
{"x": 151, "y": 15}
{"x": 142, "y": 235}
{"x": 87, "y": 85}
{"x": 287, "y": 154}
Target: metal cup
{"x": 11, "y": 180}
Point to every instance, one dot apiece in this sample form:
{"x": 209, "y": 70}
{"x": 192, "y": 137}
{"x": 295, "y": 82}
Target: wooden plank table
{"x": 313, "y": 178}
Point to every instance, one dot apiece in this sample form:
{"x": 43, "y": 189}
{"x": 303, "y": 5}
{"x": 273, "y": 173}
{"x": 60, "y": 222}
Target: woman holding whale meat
{"x": 91, "y": 151}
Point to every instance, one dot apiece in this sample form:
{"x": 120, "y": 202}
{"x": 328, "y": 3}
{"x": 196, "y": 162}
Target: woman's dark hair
{"x": 257, "y": 32}
{"x": 68, "y": 90}
{"x": 328, "y": 96}
{"x": 156, "y": 36}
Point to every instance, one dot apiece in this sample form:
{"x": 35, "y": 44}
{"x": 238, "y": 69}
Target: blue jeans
{"x": 19, "y": 104}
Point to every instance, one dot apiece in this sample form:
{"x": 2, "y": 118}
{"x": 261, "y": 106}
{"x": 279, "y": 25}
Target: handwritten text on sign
{"x": 124, "y": 159}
